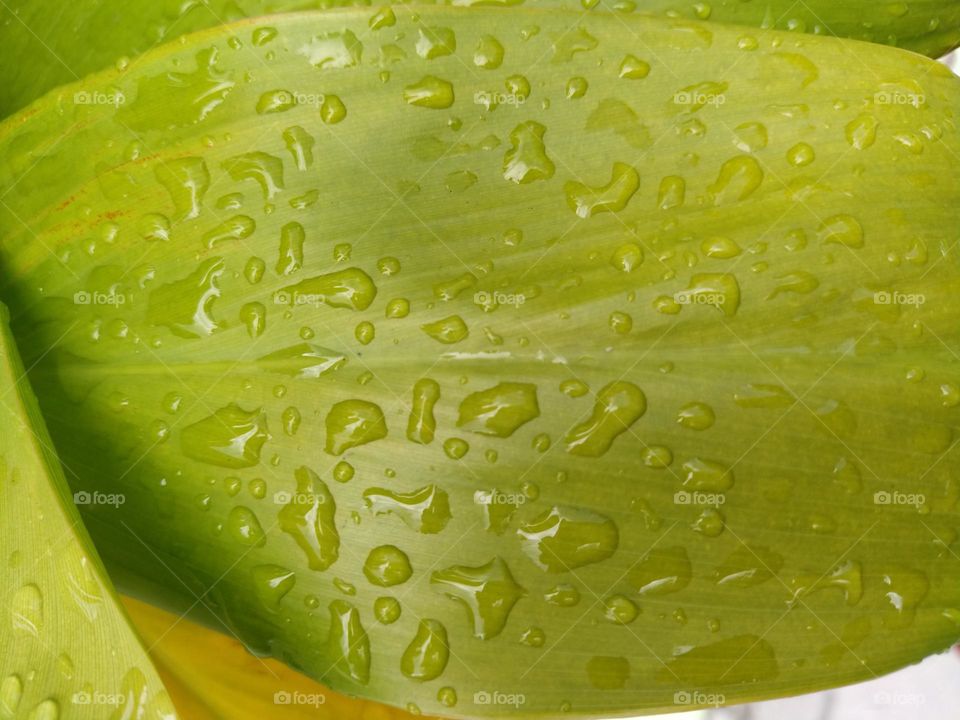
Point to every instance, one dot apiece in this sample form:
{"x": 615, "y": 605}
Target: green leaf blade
{"x": 728, "y": 349}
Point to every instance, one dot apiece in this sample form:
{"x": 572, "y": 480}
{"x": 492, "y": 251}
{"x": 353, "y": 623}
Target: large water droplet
{"x": 586, "y": 201}
{"x": 310, "y": 518}
{"x": 427, "y": 654}
{"x": 387, "y": 565}
{"x": 232, "y": 437}
{"x": 565, "y": 538}
{"x": 618, "y": 406}
{"x": 185, "y": 306}
{"x": 426, "y": 510}
{"x": 351, "y": 423}
{"x": 527, "y": 160}
{"x": 662, "y": 571}
{"x": 499, "y": 410}
{"x": 489, "y": 593}
{"x": 348, "y": 644}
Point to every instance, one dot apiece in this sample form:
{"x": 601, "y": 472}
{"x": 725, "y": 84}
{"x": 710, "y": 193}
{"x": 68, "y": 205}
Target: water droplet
{"x": 526, "y": 161}
{"x": 904, "y": 589}
{"x": 455, "y": 448}
{"x": 351, "y": 423}
{"x": 387, "y": 565}
{"x": 662, "y": 571}
{"x": 842, "y": 229}
{"x": 620, "y": 609}
{"x": 846, "y": 577}
{"x": 254, "y": 317}
{"x": 801, "y": 155}
{"x": 747, "y": 566}
{"x": 489, "y": 593}
{"x": 751, "y": 137}
{"x": 696, "y": 416}
{"x": 710, "y": 523}
{"x": 290, "y": 257}
{"x": 238, "y": 227}
{"x": 26, "y": 609}
{"x": 264, "y": 169}
{"x": 426, "y": 510}
{"x": 739, "y": 178}
{"x": 862, "y": 131}
{"x": 397, "y": 308}
{"x": 738, "y": 660}
{"x": 384, "y": 17}
{"x": 185, "y": 306}
{"x": 618, "y": 406}
{"x": 310, "y": 518}
{"x": 434, "y": 42}
{"x": 657, "y": 456}
{"x": 533, "y": 637}
{"x": 718, "y": 290}
{"x": 154, "y": 227}
{"x": 350, "y": 288}
{"x": 563, "y": 596}
{"x": 576, "y": 88}
{"x": 586, "y": 201}
{"x": 627, "y": 258}
{"x": 365, "y": 332}
{"x": 720, "y": 248}
{"x": 84, "y": 587}
{"x": 291, "y": 421}
{"x": 427, "y": 654}
{"x": 187, "y": 181}
{"x": 46, "y": 710}
{"x": 271, "y": 583}
{"x": 244, "y": 527}
{"x": 447, "y": 697}
{"x": 332, "y": 110}
{"x": 300, "y": 145}
{"x": 706, "y": 476}
{"x": 565, "y": 538}
{"x": 760, "y": 395}
{"x": 302, "y": 361}
{"x": 572, "y": 42}
{"x": 275, "y": 101}
{"x": 836, "y": 418}
{"x": 386, "y": 609}
{"x": 633, "y": 68}
{"x": 449, "y": 330}
{"x": 348, "y": 643}
{"x": 499, "y": 410}
{"x": 11, "y": 692}
{"x": 422, "y": 424}
{"x": 254, "y": 269}
{"x": 430, "y": 92}
{"x": 489, "y": 53}
{"x": 333, "y": 50}
{"x": 673, "y": 189}
{"x": 574, "y": 388}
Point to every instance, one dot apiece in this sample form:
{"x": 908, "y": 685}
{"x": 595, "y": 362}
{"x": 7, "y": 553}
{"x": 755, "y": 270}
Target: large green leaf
{"x": 324, "y": 299}
{"x": 57, "y": 42}
{"x": 66, "y": 647}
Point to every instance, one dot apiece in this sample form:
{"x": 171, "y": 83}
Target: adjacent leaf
{"x": 211, "y": 676}
{"x": 57, "y": 43}
{"x": 597, "y": 382}
{"x": 66, "y": 648}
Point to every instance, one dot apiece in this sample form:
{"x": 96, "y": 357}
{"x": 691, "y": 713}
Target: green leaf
{"x": 55, "y": 52}
{"x": 67, "y": 648}
{"x": 648, "y": 372}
